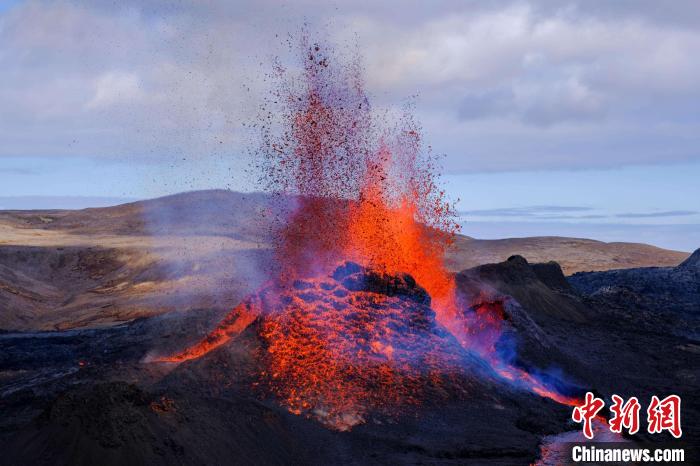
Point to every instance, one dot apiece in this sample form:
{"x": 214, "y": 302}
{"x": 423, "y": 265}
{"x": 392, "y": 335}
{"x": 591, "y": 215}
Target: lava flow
{"x": 361, "y": 315}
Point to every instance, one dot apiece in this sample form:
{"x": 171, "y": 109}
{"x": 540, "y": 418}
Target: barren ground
{"x": 96, "y": 267}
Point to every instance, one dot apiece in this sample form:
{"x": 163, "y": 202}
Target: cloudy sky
{"x": 575, "y": 118}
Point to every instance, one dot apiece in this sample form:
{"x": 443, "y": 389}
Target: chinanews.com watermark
{"x": 662, "y": 415}
{"x": 623, "y": 453}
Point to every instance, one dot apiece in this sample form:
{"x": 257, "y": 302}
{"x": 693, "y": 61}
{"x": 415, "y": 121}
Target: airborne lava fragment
{"x": 361, "y": 315}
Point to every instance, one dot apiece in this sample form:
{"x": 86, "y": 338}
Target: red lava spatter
{"x": 365, "y": 191}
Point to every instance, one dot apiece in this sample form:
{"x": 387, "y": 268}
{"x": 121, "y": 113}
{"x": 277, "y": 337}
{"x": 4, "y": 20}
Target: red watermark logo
{"x": 662, "y": 415}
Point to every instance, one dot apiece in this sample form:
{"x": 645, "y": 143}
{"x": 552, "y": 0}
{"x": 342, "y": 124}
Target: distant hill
{"x": 572, "y": 254}
{"x": 196, "y": 250}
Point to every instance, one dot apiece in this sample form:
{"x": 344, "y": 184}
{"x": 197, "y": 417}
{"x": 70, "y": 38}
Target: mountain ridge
{"x": 92, "y": 267}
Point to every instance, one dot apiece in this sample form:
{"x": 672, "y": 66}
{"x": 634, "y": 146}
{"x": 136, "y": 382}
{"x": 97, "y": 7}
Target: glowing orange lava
{"x": 343, "y": 341}
{"x": 339, "y": 350}
{"x": 233, "y": 324}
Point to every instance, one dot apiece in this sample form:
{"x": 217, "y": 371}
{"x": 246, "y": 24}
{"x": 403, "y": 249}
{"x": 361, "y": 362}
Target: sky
{"x": 569, "y": 118}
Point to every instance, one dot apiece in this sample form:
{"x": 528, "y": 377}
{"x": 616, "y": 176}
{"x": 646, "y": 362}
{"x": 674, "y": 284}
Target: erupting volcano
{"x": 360, "y": 316}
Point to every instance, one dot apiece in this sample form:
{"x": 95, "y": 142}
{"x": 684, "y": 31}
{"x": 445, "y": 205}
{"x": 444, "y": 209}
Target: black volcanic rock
{"x": 540, "y": 288}
{"x": 538, "y": 303}
{"x": 693, "y": 262}
{"x": 346, "y": 269}
{"x": 667, "y": 297}
{"x": 639, "y": 338}
{"x": 205, "y": 411}
{"x": 651, "y": 322}
{"x": 356, "y": 278}
{"x": 550, "y": 274}
{"x": 208, "y": 411}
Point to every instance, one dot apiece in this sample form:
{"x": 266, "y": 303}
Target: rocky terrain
{"x": 87, "y": 396}
{"x": 201, "y": 250}
{"x": 666, "y": 297}
{"x": 127, "y": 284}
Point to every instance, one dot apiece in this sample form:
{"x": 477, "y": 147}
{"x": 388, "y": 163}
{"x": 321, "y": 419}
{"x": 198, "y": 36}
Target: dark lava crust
{"x": 88, "y": 397}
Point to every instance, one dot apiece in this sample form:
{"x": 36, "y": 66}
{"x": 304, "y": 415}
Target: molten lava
{"x": 345, "y": 346}
{"x": 377, "y": 332}
{"x": 356, "y": 343}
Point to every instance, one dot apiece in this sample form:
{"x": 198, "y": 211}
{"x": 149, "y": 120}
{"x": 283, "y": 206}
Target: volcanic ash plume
{"x": 361, "y": 315}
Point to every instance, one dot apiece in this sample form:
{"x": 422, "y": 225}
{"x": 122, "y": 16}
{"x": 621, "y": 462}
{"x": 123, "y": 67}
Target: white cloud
{"x": 114, "y": 88}
{"x": 489, "y": 47}
{"x": 512, "y": 85}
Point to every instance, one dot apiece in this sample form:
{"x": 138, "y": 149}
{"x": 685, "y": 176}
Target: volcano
{"x": 360, "y": 317}
{"x": 86, "y": 396}
{"x": 354, "y": 344}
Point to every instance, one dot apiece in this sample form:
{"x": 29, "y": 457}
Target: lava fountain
{"x": 361, "y": 314}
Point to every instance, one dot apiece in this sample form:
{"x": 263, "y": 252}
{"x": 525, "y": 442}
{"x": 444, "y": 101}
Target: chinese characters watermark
{"x": 662, "y": 415}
